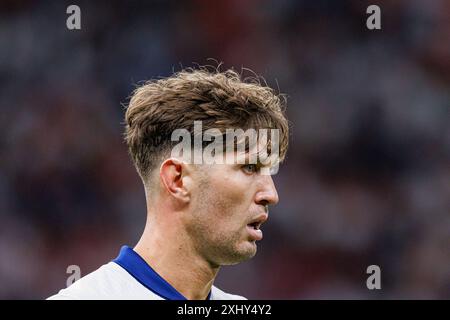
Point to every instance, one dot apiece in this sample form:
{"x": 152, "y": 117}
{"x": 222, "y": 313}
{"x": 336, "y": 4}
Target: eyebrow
{"x": 258, "y": 161}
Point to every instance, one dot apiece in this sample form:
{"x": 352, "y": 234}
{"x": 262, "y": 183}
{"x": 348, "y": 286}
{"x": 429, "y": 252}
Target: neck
{"x": 170, "y": 253}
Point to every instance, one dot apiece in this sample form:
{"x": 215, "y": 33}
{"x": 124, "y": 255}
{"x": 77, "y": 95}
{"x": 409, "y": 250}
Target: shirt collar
{"x": 133, "y": 263}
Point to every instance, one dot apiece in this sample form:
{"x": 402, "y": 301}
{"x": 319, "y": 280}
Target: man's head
{"x": 217, "y": 206}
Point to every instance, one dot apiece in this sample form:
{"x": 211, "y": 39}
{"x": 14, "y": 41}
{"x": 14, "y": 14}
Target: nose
{"x": 267, "y": 194}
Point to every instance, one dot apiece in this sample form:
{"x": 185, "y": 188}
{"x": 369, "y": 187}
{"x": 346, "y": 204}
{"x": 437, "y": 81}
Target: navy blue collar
{"x": 142, "y": 272}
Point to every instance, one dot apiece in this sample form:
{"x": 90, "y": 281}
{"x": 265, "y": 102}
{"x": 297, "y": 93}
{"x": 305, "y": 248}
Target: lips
{"x": 254, "y": 226}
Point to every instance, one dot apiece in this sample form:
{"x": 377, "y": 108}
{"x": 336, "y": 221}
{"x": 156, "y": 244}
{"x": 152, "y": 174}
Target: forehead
{"x": 237, "y": 147}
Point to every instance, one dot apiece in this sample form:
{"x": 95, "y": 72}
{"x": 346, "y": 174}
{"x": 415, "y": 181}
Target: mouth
{"x": 254, "y": 227}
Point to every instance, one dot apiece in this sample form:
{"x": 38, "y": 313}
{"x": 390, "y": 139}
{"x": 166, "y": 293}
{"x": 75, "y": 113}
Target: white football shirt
{"x": 128, "y": 277}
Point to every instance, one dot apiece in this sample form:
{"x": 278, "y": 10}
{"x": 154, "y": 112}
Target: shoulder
{"x": 110, "y": 281}
{"x": 217, "y": 294}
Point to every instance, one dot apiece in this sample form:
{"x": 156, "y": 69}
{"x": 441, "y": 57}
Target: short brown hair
{"x": 219, "y": 99}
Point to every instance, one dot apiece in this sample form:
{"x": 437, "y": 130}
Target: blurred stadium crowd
{"x": 367, "y": 176}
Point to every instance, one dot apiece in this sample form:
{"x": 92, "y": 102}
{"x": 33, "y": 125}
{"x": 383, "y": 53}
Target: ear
{"x": 173, "y": 173}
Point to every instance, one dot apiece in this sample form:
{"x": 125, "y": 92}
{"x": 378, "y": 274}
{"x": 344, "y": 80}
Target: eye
{"x": 250, "y": 168}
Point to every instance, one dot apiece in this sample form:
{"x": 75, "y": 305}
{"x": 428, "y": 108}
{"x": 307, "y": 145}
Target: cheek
{"x": 232, "y": 198}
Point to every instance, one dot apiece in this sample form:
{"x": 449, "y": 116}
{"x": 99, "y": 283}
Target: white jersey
{"x": 128, "y": 277}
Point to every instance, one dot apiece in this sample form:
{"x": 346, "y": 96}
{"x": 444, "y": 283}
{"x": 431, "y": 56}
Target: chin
{"x": 241, "y": 252}
{"x": 246, "y": 251}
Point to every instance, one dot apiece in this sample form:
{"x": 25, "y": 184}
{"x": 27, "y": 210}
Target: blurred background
{"x": 367, "y": 176}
